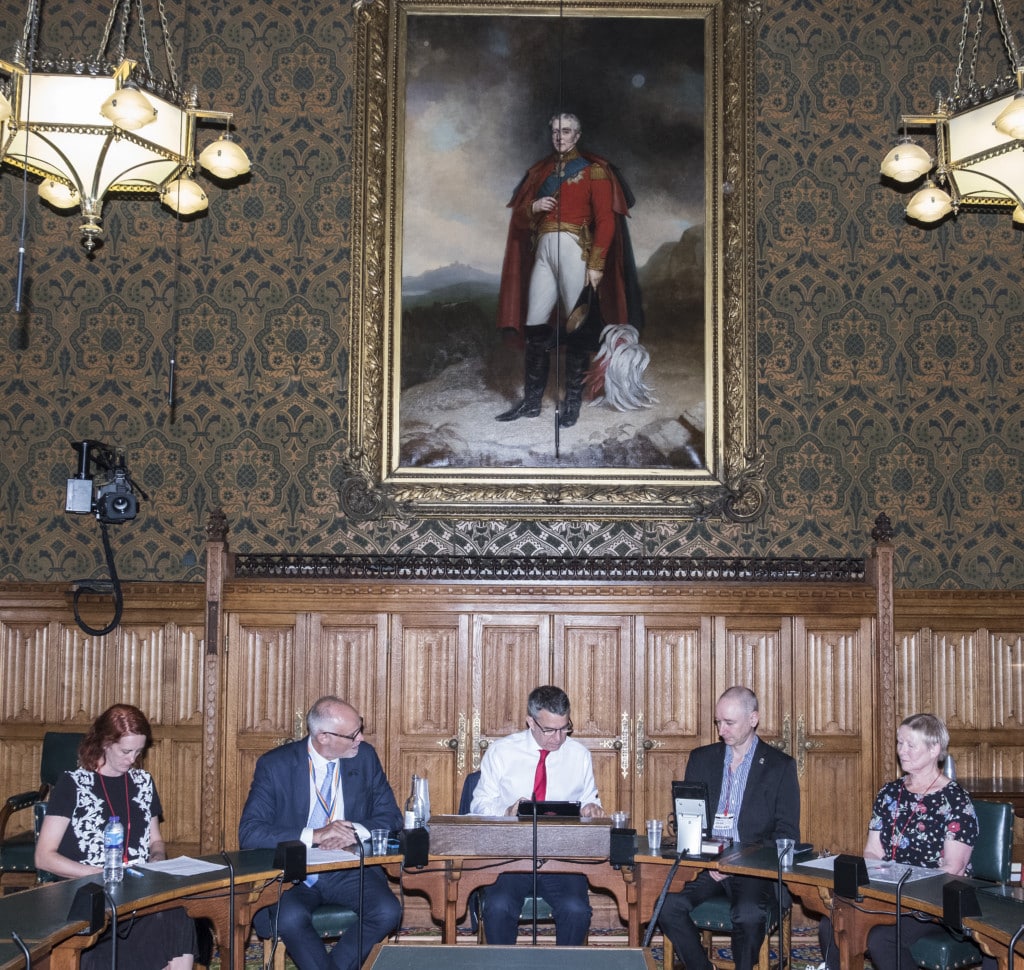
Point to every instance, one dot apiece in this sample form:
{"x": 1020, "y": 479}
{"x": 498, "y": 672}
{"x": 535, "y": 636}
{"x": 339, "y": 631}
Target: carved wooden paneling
{"x": 511, "y": 655}
{"x": 176, "y": 767}
{"x": 264, "y": 680}
{"x": 19, "y": 769}
{"x": 755, "y": 652}
{"x": 954, "y": 669}
{"x": 143, "y": 676}
{"x": 185, "y": 679}
{"x": 430, "y": 677}
{"x": 673, "y": 706}
{"x": 88, "y": 676}
{"x": 592, "y": 663}
{"x": 1005, "y": 685}
{"x": 27, "y": 666}
{"x": 348, "y": 658}
{"x": 832, "y": 729}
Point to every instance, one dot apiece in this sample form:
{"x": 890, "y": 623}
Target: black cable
{"x": 116, "y": 592}
{"x": 781, "y": 892}
{"x": 28, "y": 956}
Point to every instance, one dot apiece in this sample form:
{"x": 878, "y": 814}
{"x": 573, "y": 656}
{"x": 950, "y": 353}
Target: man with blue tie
{"x": 329, "y": 790}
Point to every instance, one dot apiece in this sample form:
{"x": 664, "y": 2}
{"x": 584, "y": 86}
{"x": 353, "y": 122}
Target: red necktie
{"x": 540, "y": 778}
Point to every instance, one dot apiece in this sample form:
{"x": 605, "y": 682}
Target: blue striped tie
{"x": 318, "y": 817}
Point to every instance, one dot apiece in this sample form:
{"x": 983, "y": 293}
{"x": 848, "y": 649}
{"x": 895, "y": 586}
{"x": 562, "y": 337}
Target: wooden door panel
{"x": 674, "y": 713}
{"x": 592, "y": 663}
{"x": 756, "y": 653}
{"x": 429, "y": 690}
{"x": 833, "y": 729}
{"x": 511, "y": 656}
{"x": 265, "y": 699}
{"x": 348, "y": 658}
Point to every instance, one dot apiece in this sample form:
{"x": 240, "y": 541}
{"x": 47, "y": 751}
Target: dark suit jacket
{"x": 277, "y": 808}
{"x": 771, "y": 801}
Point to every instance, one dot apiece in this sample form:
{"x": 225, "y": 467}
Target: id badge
{"x": 723, "y": 824}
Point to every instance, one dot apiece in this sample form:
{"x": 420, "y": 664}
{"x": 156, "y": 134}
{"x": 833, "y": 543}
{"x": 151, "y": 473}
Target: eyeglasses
{"x": 547, "y": 732}
{"x": 348, "y": 737}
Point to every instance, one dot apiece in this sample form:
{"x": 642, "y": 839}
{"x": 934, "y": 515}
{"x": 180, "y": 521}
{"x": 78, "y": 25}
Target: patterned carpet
{"x": 806, "y": 953}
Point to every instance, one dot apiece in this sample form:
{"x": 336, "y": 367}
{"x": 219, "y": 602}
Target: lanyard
{"x": 327, "y": 807}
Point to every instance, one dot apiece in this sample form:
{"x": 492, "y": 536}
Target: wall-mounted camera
{"x": 113, "y": 501}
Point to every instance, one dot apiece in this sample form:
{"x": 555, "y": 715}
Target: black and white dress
{"x": 88, "y": 799}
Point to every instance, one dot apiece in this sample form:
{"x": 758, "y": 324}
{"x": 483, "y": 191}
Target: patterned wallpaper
{"x": 888, "y": 356}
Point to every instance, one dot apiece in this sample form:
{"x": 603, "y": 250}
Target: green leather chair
{"x": 943, "y": 949}
{"x": 713, "y": 918}
{"x": 329, "y": 920}
{"x": 477, "y": 897}
{"x": 17, "y": 850}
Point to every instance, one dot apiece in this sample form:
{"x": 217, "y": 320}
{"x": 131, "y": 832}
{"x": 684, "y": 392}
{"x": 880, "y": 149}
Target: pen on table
{"x": 133, "y": 872}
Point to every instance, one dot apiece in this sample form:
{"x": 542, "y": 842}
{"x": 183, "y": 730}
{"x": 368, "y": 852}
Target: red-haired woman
{"x": 70, "y": 842}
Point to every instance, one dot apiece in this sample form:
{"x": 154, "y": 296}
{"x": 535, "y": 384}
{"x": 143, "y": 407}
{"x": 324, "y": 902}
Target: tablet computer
{"x": 550, "y": 809}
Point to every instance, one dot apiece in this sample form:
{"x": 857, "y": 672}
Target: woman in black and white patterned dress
{"x": 70, "y": 843}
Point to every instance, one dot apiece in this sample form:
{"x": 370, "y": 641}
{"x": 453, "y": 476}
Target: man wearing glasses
{"x": 543, "y": 763}
{"x": 328, "y": 790}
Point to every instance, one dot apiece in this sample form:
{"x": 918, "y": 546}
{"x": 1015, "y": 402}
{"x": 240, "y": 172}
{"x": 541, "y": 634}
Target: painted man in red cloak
{"x": 567, "y": 233}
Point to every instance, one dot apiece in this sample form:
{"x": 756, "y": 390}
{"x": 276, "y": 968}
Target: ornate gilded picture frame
{"x": 454, "y": 105}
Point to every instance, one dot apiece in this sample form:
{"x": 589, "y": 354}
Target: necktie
{"x": 540, "y": 778}
{"x": 322, "y": 810}
{"x": 320, "y": 815}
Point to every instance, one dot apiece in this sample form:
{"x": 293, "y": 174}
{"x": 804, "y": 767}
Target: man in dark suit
{"x": 754, "y": 790}
{"x": 328, "y": 790}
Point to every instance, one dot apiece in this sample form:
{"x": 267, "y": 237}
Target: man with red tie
{"x": 542, "y": 762}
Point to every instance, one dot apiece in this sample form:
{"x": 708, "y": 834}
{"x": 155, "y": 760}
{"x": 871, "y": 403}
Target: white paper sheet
{"x": 182, "y": 866}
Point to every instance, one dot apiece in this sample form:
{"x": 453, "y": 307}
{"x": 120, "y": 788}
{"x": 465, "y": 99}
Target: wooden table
{"x": 853, "y": 920}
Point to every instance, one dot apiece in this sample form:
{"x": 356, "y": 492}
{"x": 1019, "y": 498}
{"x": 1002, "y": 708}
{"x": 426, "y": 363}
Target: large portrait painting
{"x": 550, "y": 311}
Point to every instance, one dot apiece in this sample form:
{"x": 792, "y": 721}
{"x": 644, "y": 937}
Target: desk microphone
{"x": 781, "y": 890}
{"x": 231, "y": 907}
{"x": 28, "y": 956}
{"x": 661, "y": 898}
{"x": 113, "y": 929}
{"x": 533, "y": 822}
{"x": 362, "y": 876}
{"x": 899, "y": 914}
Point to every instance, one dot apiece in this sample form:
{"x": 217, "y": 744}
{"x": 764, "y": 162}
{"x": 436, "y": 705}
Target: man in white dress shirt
{"x": 542, "y": 762}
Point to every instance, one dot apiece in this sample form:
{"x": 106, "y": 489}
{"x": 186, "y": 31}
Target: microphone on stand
{"x": 533, "y": 803}
{"x": 231, "y": 908}
{"x": 362, "y": 876}
{"x": 899, "y": 914}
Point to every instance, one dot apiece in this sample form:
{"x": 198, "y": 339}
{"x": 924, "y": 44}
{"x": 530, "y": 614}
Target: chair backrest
{"x": 60, "y": 754}
{"x": 468, "y": 787}
{"x": 991, "y": 856}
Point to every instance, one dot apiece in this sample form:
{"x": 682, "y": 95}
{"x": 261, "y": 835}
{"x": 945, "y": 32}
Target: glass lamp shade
{"x": 6, "y": 111}
{"x": 128, "y": 109}
{"x": 906, "y": 162}
{"x": 59, "y": 195}
{"x": 1018, "y": 215}
{"x": 185, "y": 196}
{"x": 1011, "y": 119}
{"x": 224, "y": 159}
{"x": 929, "y": 203}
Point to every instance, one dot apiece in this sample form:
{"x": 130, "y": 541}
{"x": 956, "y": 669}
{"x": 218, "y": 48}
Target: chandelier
{"x": 978, "y": 133}
{"x": 109, "y": 123}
